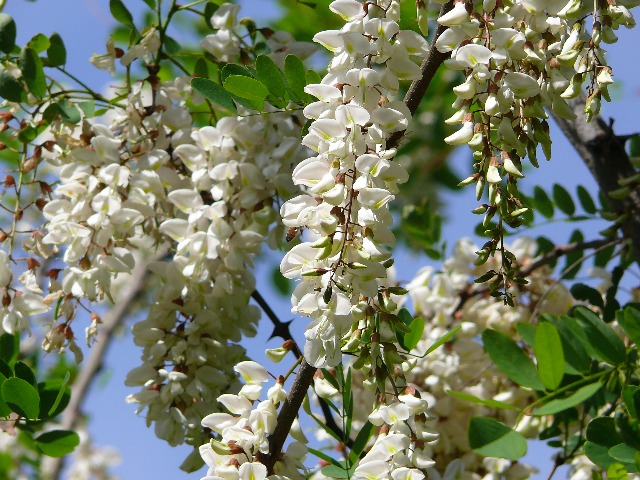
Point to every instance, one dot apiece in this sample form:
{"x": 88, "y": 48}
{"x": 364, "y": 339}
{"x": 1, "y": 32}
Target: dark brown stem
{"x": 287, "y": 414}
{"x": 557, "y": 252}
{"x": 429, "y": 67}
{"x": 604, "y": 155}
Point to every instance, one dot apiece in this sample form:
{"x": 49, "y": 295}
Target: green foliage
{"x": 33, "y": 72}
{"x": 22, "y": 397}
{"x": 57, "y": 443}
{"x": 8, "y": 32}
{"x": 121, "y": 13}
{"x": 550, "y": 356}
{"x": 56, "y": 52}
{"x": 490, "y": 438}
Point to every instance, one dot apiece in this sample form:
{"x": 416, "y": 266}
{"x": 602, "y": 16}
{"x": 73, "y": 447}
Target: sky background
{"x": 85, "y": 24}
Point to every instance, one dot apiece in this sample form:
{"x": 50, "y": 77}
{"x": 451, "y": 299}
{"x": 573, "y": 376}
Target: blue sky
{"x": 84, "y": 25}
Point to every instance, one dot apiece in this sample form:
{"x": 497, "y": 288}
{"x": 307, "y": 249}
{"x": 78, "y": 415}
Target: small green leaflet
{"x": 511, "y": 359}
{"x": 246, "y": 87}
{"x": 32, "y": 72}
{"x": 121, "y": 13}
{"x": 57, "y": 443}
{"x": 549, "y": 354}
{"x": 10, "y": 88}
{"x": 555, "y": 406}
{"x": 490, "y": 438}
{"x": 563, "y": 199}
{"x": 412, "y": 338}
{"x": 22, "y": 397}
{"x": 7, "y": 33}
{"x": 487, "y": 402}
{"x": 56, "y": 53}
{"x": 270, "y": 76}
{"x": 214, "y": 93}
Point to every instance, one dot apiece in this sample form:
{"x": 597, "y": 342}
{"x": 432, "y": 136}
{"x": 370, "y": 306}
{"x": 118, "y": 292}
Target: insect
{"x": 291, "y": 233}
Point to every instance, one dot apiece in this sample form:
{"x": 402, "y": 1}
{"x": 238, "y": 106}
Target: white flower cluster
{"x": 352, "y": 179}
{"x": 241, "y": 436}
{"x": 463, "y": 365}
{"x": 520, "y": 57}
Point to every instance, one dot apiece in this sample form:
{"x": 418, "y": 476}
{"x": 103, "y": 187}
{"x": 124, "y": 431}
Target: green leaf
{"x": 39, "y": 43}
{"x": 56, "y": 52}
{"x": 573, "y": 256}
{"x": 32, "y": 72}
{"x": 490, "y": 438}
{"x": 150, "y": 3}
{"x": 511, "y": 359}
{"x": 487, "y": 402}
{"x": 527, "y": 332}
{"x": 295, "y": 73}
{"x": 324, "y": 456}
{"x": 5, "y": 369}
{"x": 9, "y": 347}
{"x": 23, "y": 371}
{"x": 598, "y": 454}
{"x": 631, "y": 398}
{"x": 88, "y": 108}
{"x": 629, "y": 429}
{"x": 246, "y": 87}
{"x": 605, "y": 341}
{"x": 214, "y": 93}
{"x": 270, "y": 76}
{"x": 312, "y": 77}
{"x": 602, "y": 431}
{"x": 53, "y": 400}
{"x": 442, "y": 340}
{"x": 542, "y": 202}
{"x": 586, "y": 201}
{"x": 629, "y": 320}
{"x": 233, "y": 69}
{"x": 623, "y": 453}
{"x": 57, "y": 443}
{"x": 360, "y": 443}
{"x": 10, "y": 88}
{"x": 549, "y": 354}
{"x": 121, "y": 13}
{"x": 69, "y": 112}
{"x": 617, "y": 471}
{"x": 201, "y": 68}
{"x": 555, "y": 406}
{"x": 576, "y": 358}
{"x": 339, "y": 472}
{"x": 563, "y": 199}
{"x": 412, "y": 338}
{"x": 171, "y": 46}
{"x": 7, "y": 33}
{"x": 22, "y": 397}
{"x": 580, "y": 291}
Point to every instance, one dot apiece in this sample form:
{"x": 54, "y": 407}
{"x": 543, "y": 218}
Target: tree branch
{"x": 604, "y": 155}
{"x": 557, "y": 252}
{"x": 429, "y": 67}
{"x": 287, "y": 414}
{"x": 52, "y": 467}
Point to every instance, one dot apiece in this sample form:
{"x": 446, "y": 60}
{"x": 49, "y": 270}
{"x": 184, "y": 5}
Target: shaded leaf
{"x": 23, "y": 371}
{"x": 511, "y": 359}
{"x": 7, "y": 33}
{"x": 542, "y": 202}
{"x": 629, "y": 320}
{"x": 360, "y": 443}
{"x": 606, "y": 344}
{"x": 39, "y": 43}
{"x": 576, "y": 357}
{"x": 10, "y": 88}
{"x": 9, "y": 347}
{"x": 339, "y": 472}
{"x": 32, "y": 72}
{"x": 490, "y": 438}
{"x": 57, "y": 443}
{"x": 563, "y": 199}
{"x": 270, "y": 76}
{"x": 214, "y": 93}
{"x": 56, "y": 53}
{"x": 586, "y": 293}
{"x": 121, "y": 13}
{"x": 586, "y": 201}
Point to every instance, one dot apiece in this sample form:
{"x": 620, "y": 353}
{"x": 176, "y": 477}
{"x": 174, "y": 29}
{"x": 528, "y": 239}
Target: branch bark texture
{"x": 604, "y": 155}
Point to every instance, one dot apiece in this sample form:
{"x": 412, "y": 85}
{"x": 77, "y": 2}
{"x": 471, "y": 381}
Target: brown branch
{"x": 604, "y": 155}
{"x": 287, "y": 414}
{"x": 429, "y": 67}
{"x": 557, "y": 252}
{"x": 52, "y": 467}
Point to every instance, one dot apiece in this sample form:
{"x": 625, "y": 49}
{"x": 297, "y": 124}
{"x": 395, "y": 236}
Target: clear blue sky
{"x": 84, "y": 25}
